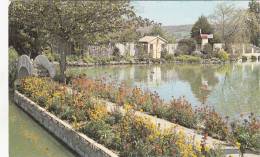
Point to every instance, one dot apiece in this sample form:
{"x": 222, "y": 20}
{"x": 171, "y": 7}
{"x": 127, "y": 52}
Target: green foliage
{"x": 101, "y": 131}
{"x": 254, "y": 22}
{"x": 188, "y": 59}
{"x": 116, "y": 55}
{"x": 73, "y": 58}
{"x": 67, "y": 24}
{"x": 158, "y": 31}
{"x": 164, "y": 52}
{"x": 88, "y": 59}
{"x": 186, "y": 46}
{"x": 180, "y": 111}
{"x": 169, "y": 57}
{"x": 214, "y": 124}
{"x": 246, "y": 135}
{"x": 253, "y": 58}
{"x": 128, "y": 134}
{"x": 142, "y": 54}
{"x": 52, "y": 56}
{"x": 223, "y": 55}
{"x": 12, "y": 66}
{"x": 103, "y": 60}
{"x": 208, "y": 51}
{"x": 26, "y": 33}
{"x": 244, "y": 58}
{"x": 216, "y": 39}
{"x": 203, "y": 24}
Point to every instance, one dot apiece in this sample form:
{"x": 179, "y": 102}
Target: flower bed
{"x": 128, "y": 134}
{"x": 177, "y": 111}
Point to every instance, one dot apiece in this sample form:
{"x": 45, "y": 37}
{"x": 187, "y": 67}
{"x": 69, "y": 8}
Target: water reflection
{"x": 232, "y": 89}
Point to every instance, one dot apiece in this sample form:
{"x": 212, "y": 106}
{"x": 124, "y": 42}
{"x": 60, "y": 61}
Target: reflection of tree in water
{"x": 239, "y": 91}
{"x": 168, "y": 72}
{"x": 196, "y": 76}
{"x": 140, "y": 73}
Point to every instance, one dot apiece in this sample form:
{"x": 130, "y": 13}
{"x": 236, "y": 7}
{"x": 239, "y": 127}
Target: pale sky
{"x": 179, "y": 12}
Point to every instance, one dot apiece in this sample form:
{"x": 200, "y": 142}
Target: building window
{"x": 151, "y": 47}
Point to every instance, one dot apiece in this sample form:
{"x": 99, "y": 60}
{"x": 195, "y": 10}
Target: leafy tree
{"x": 12, "y": 66}
{"x": 186, "y": 46}
{"x": 230, "y": 24}
{"x": 203, "y": 25}
{"x": 26, "y": 34}
{"x": 254, "y": 22}
{"x": 207, "y": 50}
{"x": 74, "y": 23}
{"x": 157, "y": 30}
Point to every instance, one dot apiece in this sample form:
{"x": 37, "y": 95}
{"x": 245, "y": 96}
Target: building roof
{"x": 204, "y": 36}
{"x": 148, "y": 39}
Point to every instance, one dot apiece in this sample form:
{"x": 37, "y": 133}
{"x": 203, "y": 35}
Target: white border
{"x": 4, "y": 78}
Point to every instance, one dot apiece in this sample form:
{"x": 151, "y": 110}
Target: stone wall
{"x": 80, "y": 143}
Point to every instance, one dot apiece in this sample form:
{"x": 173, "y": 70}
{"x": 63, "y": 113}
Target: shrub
{"x": 103, "y": 60}
{"x": 169, "y": 57}
{"x": 181, "y": 112}
{"x": 88, "y": 59}
{"x": 244, "y": 58}
{"x": 207, "y": 50}
{"x": 164, "y": 53}
{"x": 186, "y": 46}
{"x": 188, "y": 59}
{"x": 214, "y": 124}
{"x": 129, "y": 134}
{"x": 149, "y": 141}
{"x": 142, "y": 55}
{"x": 12, "y": 66}
{"x": 52, "y": 56}
{"x": 116, "y": 54}
{"x": 222, "y": 55}
{"x": 253, "y": 58}
{"x": 67, "y": 114}
{"x": 246, "y": 134}
{"x": 72, "y": 58}
{"x": 100, "y": 131}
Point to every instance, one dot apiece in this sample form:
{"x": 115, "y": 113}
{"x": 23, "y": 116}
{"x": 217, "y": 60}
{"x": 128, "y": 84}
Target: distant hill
{"x": 179, "y": 32}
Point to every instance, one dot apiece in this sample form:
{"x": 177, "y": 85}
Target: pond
{"x": 233, "y": 89}
{"x": 28, "y": 139}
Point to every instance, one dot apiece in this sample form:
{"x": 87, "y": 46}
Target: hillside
{"x": 179, "y": 32}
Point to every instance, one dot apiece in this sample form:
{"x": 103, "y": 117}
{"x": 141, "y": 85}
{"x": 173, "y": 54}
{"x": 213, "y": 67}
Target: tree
{"x": 26, "y": 34}
{"x": 207, "y": 50}
{"x": 186, "y": 46}
{"x": 230, "y": 24}
{"x": 157, "y": 30}
{"x": 254, "y": 22}
{"x": 203, "y": 25}
{"x": 71, "y": 23}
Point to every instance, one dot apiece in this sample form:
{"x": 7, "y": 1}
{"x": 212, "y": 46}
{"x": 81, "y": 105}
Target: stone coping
{"x": 78, "y": 142}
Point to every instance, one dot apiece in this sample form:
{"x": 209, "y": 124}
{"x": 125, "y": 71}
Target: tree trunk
{"x": 63, "y": 66}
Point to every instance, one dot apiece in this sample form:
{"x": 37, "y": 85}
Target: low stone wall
{"x": 81, "y": 64}
{"x": 80, "y": 143}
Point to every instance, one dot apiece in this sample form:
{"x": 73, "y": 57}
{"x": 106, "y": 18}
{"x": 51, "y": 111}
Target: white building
{"x": 153, "y": 45}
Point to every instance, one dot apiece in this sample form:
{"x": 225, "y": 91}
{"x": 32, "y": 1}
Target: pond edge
{"x": 78, "y": 142}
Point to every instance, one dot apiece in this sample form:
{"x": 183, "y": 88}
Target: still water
{"x": 232, "y": 89}
{"x": 28, "y": 139}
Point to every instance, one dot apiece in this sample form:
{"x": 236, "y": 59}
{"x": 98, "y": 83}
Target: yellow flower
{"x": 207, "y": 148}
{"x": 238, "y": 145}
{"x": 98, "y": 113}
{"x": 128, "y": 107}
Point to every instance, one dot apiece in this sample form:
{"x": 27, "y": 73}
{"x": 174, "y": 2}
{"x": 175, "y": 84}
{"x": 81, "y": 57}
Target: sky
{"x": 179, "y": 12}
